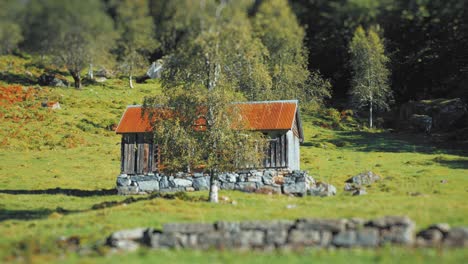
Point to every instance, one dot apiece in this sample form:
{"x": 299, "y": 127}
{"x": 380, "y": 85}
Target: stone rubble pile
{"x": 297, "y": 183}
{"x": 290, "y": 234}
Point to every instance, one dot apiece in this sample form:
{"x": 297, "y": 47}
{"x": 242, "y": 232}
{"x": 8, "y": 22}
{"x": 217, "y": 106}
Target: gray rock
{"x": 182, "y": 183}
{"x": 389, "y": 221}
{"x": 149, "y": 186}
{"x": 249, "y": 239}
{"x": 266, "y": 225}
{"x": 442, "y": 227}
{"x": 245, "y": 186}
{"x": 187, "y": 228}
{"x": 421, "y": 123}
{"x": 171, "y": 181}
{"x": 364, "y": 178}
{"x": 332, "y": 225}
{"x": 360, "y": 191}
{"x": 429, "y": 237}
{"x": 200, "y": 183}
{"x": 403, "y": 235}
{"x": 228, "y": 186}
{"x": 226, "y": 226}
{"x": 322, "y": 189}
{"x": 367, "y": 237}
{"x": 254, "y": 178}
{"x": 219, "y": 240}
{"x": 231, "y": 177}
{"x": 457, "y": 237}
{"x": 128, "y": 234}
{"x": 299, "y": 188}
{"x": 127, "y": 190}
{"x": 355, "y": 223}
{"x": 269, "y": 189}
{"x": 304, "y": 237}
{"x": 267, "y": 179}
{"x": 164, "y": 183}
{"x": 126, "y": 245}
{"x": 277, "y": 237}
{"x": 345, "y": 239}
{"x": 123, "y": 181}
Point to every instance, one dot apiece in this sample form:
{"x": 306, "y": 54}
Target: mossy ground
{"x": 54, "y": 171}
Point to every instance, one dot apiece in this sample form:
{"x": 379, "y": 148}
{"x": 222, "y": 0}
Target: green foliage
{"x": 10, "y": 29}
{"x": 277, "y": 27}
{"x": 370, "y": 86}
{"x": 84, "y": 34}
{"x": 136, "y": 29}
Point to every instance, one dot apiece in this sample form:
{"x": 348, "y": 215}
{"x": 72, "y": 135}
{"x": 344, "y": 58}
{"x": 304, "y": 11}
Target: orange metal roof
{"x": 270, "y": 115}
{"x": 264, "y": 115}
{"x": 132, "y": 121}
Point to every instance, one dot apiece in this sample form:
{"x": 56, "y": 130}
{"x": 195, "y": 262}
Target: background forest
{"x": 289, "y": 47}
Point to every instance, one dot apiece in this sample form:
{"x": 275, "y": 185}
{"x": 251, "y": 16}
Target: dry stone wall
{"x": 261, "y": 181}
{"x": 290, "y": 234}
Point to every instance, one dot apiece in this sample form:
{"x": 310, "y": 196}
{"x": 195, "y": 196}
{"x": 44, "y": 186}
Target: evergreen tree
{"x": 136, "y": 29}
{"x": 370, "y": 86}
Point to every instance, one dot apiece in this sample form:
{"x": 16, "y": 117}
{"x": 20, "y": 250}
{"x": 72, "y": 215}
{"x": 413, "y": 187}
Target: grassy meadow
{"x": 58, "y": 171}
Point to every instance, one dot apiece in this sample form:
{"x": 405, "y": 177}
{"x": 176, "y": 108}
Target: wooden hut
{"x": 279, "y": 120}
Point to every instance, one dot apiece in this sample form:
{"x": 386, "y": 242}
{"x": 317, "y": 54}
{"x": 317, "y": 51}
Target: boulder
{"x": 421, "y": 123}
{"x": 445, "y": 113}
{"x": 200, "y": 183}
{"x": 164, "y": 183}
{"x": 322, "y": 189}
{"x": 149, "y": 186}
{"x": 332, "y": 225}
{"x": 182, "y": 183}
{"x": 124, "y": 238}
{"x": 364, "y": 178}
{"x": 299, "y": 188}
{"x": 457, "y": 237}
{"x": 246, "y": 186}
{"x": 345, "y": 238}
{"x": 52, "y": 80}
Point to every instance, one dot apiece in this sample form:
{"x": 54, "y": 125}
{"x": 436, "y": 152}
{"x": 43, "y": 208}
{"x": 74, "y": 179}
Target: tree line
{"x": 275, "y": 49}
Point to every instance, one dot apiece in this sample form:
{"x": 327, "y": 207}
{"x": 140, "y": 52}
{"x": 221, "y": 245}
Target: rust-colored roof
{"x": 264, "y": 115}
{"x": 132, "y": 121}
{"x": 269, "y": 115}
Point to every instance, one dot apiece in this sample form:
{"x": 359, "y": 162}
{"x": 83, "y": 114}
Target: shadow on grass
{"x": 16, "y": 78}
{"x": 453, "y": 164}
{"x": 392, "y": 142}
{"x": 69, "y": 192}
{"x": 7, "y": 214}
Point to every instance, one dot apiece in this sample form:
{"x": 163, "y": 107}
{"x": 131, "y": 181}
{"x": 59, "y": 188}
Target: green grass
{"x": 73, "y": 150}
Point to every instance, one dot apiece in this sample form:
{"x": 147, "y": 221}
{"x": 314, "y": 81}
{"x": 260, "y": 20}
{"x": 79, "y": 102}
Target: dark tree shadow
{"x": 17, "y": 78}
{"x": 8, "y": 214}
{"x": 394, "y": 142}
{"x": 69, "y": 192}
{"x": 453, "y": 164}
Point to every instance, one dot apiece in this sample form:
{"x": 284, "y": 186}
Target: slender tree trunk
{"x": 213, "y": 188}
{"x": 131, "y": 81}
{"x": 90, "y": 71}
{"x": 76, "y": 78}
{"x": 370, "y": 114}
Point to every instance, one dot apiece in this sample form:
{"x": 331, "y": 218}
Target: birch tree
{"x": 369, "y": 86}
{"x": 201, "y": 79}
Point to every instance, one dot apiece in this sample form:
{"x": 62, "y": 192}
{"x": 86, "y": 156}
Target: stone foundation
{"x": 261, "y": 181}
{"x": 291, "y": 234}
